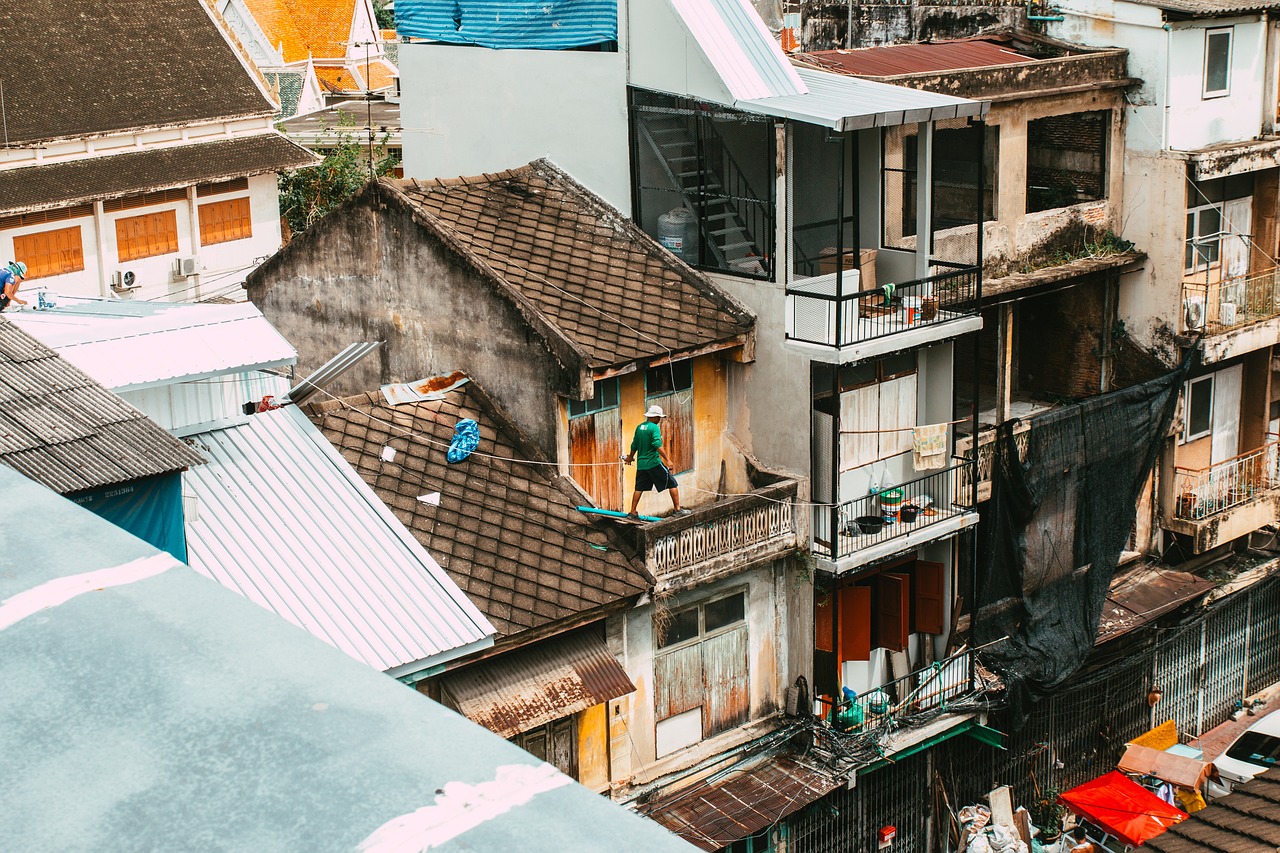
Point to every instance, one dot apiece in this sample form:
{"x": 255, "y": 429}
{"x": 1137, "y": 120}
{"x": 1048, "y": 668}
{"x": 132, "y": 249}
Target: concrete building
{"x": 1202, "y": 162}
{"x": 166, "y": 190}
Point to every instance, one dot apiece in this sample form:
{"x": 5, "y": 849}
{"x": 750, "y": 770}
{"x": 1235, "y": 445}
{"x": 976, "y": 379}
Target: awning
{"x": 115, "y": 175}
{"x": 1170, "y": 767}
{"x": 1146, "y": 594}
{"x": 841, "y": 102}
{"x": 1122, "y": 807}
{"x": 714, "y": 814}
{"x": 529, "y": 687}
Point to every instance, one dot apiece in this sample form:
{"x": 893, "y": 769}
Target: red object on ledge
{"x": 1122, "y": 807}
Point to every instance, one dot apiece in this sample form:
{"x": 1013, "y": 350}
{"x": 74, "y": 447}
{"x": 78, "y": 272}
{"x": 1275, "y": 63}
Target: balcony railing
{"x": 986, "y": 460}
{"x": 1220, "y": 306}
{"x": 729, "y": 534}
{"x": 1205, "y": 492}
{"x": 820, "y": 313}
{"x": 891, "y": 513}
{"x": 923, "y": 690}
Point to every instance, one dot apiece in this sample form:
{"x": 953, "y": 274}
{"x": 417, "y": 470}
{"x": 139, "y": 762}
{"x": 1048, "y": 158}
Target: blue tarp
{"x": 527, "y": 24}
{"x": 150, "y": 509}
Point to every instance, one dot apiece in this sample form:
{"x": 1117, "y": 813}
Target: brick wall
{"x": 1058, "y": 340}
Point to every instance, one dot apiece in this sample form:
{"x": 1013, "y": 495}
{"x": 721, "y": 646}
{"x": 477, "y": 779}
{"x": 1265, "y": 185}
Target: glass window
{"x": 725, "y": 611}
{"x": 1199, "y": 408}
{"x": 1217, "y": 62}
{"x": 606, "y": 398}
{"x": 1066, "y": 159}
{"x": 683, "y": 626}
{"x": 673, "y": 376}
{"x": 1204, "y": 238}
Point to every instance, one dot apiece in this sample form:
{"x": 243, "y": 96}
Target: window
{"x": 1216, "y": 208}
{"x": 555, "y": 743}
{"x": 1198, "y": 408}
{"x": 50, "y": 252}
{"x": 1067, "y": 159}
{"x": 671, "y": 387}
{"x": 959, "y": 150}
{"x": 1217, "y": 62}
{"x": 223, "y": 221}
{"x": 606, "y": 398}
{"x": 147, "y": 236}
{"x": 701, "y": 682}
{"x": 877, "y": 409}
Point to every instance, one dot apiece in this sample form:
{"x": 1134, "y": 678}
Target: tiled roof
{"x": 305, "y": 28}
{"x": 288, "y": 85}
{"x": 591, "y": 271}
{"x": 1245, "y": 821}
{"x": 506, "y": 531}
{"x": 67, "y": 432}
{"x": 57, "y": 184}
{"x": 114, "y": 66}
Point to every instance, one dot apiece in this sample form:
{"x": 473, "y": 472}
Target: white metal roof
{"x": 128, "y": 345}
{"x": 841, "y": 102}
{"x": 740, "y": 48}
{"x": 282, "y": 519}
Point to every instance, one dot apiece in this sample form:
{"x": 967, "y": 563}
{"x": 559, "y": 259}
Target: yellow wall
{"x": 593, "y": 748}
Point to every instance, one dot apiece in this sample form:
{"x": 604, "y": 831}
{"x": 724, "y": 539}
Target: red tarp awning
{"x": 1122, "y": 807}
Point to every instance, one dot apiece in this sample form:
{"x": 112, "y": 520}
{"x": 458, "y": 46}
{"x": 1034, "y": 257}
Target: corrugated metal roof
{"x": 1210, "y": 8}
{"x": 841, "y": 102}
{"x": 282, "y": 519}
{"x": 893, "y": 59}
{"x": 740, "y": 48}
{"x": 128, "y": 345}
{"x": 65, "y": 431}
{"x": 715, "y": 814}
{"x": 531, "y": 686}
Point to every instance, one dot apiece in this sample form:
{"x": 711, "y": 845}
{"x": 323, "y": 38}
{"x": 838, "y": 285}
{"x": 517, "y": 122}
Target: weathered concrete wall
{"x": 368, "y": 273}
{"x": 1059, "y": 337}
{"x": 826, "y": 24}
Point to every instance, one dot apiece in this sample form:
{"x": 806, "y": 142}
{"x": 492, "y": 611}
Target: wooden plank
{"x": 596, "y": 439}
{"x": 677, "y": 678}
{"x": 930, "y": 598}
{"x": 728, "y": 699}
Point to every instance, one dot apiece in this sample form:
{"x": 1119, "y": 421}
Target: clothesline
{"x": 899, "y": 429}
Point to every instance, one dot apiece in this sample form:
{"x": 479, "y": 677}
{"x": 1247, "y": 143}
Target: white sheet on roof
{"x": 282, "y": 519}
{"x": 129, "y": 345}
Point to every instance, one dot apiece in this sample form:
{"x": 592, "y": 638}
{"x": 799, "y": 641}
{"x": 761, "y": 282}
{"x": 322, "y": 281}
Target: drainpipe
{"x": 1168, "y": 71}
{"x": 1042, "y": 18}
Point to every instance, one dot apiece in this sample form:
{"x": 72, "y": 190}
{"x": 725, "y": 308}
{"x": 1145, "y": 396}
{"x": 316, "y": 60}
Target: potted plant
{"x": 1047, "y": 814}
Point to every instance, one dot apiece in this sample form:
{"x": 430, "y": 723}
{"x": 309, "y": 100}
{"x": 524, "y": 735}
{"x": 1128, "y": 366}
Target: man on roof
{"x": 653, "y": 468}
{"x": 11, "y": 278}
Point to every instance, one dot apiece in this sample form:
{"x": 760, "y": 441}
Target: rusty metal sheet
{"x": 1145, "y": 594}
{"x": 1175, "y": 769}
{"x": 534, "y": 685}
{"x": 892, "y": 60}
{"x": 712, "y": 815}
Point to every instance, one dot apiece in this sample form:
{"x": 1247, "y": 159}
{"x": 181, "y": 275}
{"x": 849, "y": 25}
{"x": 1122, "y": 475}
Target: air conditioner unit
{"x": 184, "y": 268}
{"x": 124, "y": 280}
{"x": 1193, "y": 306}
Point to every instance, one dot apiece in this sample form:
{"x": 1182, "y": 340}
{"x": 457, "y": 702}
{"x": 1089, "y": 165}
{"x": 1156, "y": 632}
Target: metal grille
{"x": 894, "y": 795}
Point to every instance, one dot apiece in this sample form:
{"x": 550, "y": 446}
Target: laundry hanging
{"x": 929, "y": 446}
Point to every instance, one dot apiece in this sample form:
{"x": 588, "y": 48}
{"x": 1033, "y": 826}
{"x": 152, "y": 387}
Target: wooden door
{"x": 893, "y": 609}
{"x": 595, "y": 448}
{"x": 724, "y": 662}
{"x": 855, "y": 623}
{"x": 677, "y": 427}
{"x": 930, "y": 598}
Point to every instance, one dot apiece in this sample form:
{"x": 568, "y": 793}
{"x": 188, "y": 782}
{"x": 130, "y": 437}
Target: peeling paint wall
{"x": 826, "y": 24}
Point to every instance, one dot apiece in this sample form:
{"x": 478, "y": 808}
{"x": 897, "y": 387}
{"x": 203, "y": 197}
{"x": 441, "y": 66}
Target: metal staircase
{"x": 732, "y": 219}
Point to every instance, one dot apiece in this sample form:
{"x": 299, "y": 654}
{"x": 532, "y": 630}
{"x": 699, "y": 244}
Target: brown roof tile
{"x": 506, "y": 531}
{"x": 589, "y": 270}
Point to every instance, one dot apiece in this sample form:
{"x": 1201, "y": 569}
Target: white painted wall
{"x": 1195, "y": 121}
{"x": 665, "y": 57}
{"x": 471, "y": 110}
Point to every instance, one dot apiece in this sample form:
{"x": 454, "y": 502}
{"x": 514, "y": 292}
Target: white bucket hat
{"x": 655, "y": 412}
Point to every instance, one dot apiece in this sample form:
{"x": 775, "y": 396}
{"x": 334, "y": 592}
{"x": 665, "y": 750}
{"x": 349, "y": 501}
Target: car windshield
{"x": 1256, "y": 748}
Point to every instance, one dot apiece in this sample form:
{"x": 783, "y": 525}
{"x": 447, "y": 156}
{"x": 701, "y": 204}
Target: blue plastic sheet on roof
{"x": 527, "y": 24}
{"x": 466, "y": 438}
{"x": 150, "y": 509}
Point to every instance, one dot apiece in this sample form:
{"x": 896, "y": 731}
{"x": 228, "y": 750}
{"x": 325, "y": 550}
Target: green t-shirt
{"x": 645, "y": 446}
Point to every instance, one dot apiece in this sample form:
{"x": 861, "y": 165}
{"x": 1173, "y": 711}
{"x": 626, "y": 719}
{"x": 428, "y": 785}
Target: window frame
{"x": 663, "y": 647}
{"x": 585, "y": 406}
{"x": 1205, "y": 92}
{"x": 1187, "y": 435}
{"x": 1032, "y": 191}
{"x": 1193, "y": 240}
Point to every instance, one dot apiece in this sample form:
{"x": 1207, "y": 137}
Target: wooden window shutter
{"x": 147, "y": 235}
{"x": 50, "y": 252}
{"x": 595, "y": 439}
{"x": 823, "y": 639}
{"x": 855, "y": 623}
{"x": 223, "y": 221}
{"x": 930, "y": 599}
{"x": 893, "y": 608}
{"x": 724, "y": 666}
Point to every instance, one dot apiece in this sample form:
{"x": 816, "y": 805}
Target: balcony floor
{"x": 860, "y": 550}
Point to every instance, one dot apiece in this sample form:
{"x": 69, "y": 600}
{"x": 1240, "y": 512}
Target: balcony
{"x": 864, "y": 323}
{"x": 721, "y": 538}
{"x": 895, "y": 520}
{"x": 1236, "y": 315}
{"x": 986, "y": 460}
{"x": 1225, "y": 501}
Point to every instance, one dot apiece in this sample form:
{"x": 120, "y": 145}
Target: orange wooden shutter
{"x": 596, "y": 439}
{"x": 855, "y": 623}
{"x": 930, "y": 600}
{"x": 50, "y": 252}
{"x": 892, "y": 610}
{"x": 147, "y": 235}
{"x": 222, "y": 221}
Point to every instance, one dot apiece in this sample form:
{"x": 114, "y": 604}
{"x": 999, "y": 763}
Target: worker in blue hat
{"x": 11, "y": 278}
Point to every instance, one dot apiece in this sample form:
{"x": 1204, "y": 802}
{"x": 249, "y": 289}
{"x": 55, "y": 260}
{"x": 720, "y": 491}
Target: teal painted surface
{"x": 150, "y": 509}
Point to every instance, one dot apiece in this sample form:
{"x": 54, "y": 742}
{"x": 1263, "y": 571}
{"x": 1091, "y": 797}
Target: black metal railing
{"x": 893, "y": 512}
{"x": 822, "y": 314}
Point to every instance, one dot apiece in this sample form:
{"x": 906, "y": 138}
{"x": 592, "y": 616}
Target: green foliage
{"x": 386, "y": 17}
{"x": 306, "y": 195}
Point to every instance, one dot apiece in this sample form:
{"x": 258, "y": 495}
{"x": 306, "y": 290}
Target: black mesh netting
{"x": 1056, "y": 525}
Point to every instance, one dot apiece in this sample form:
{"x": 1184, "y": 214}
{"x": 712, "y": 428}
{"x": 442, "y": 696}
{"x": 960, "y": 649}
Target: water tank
{"x": 678, "y": 232}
